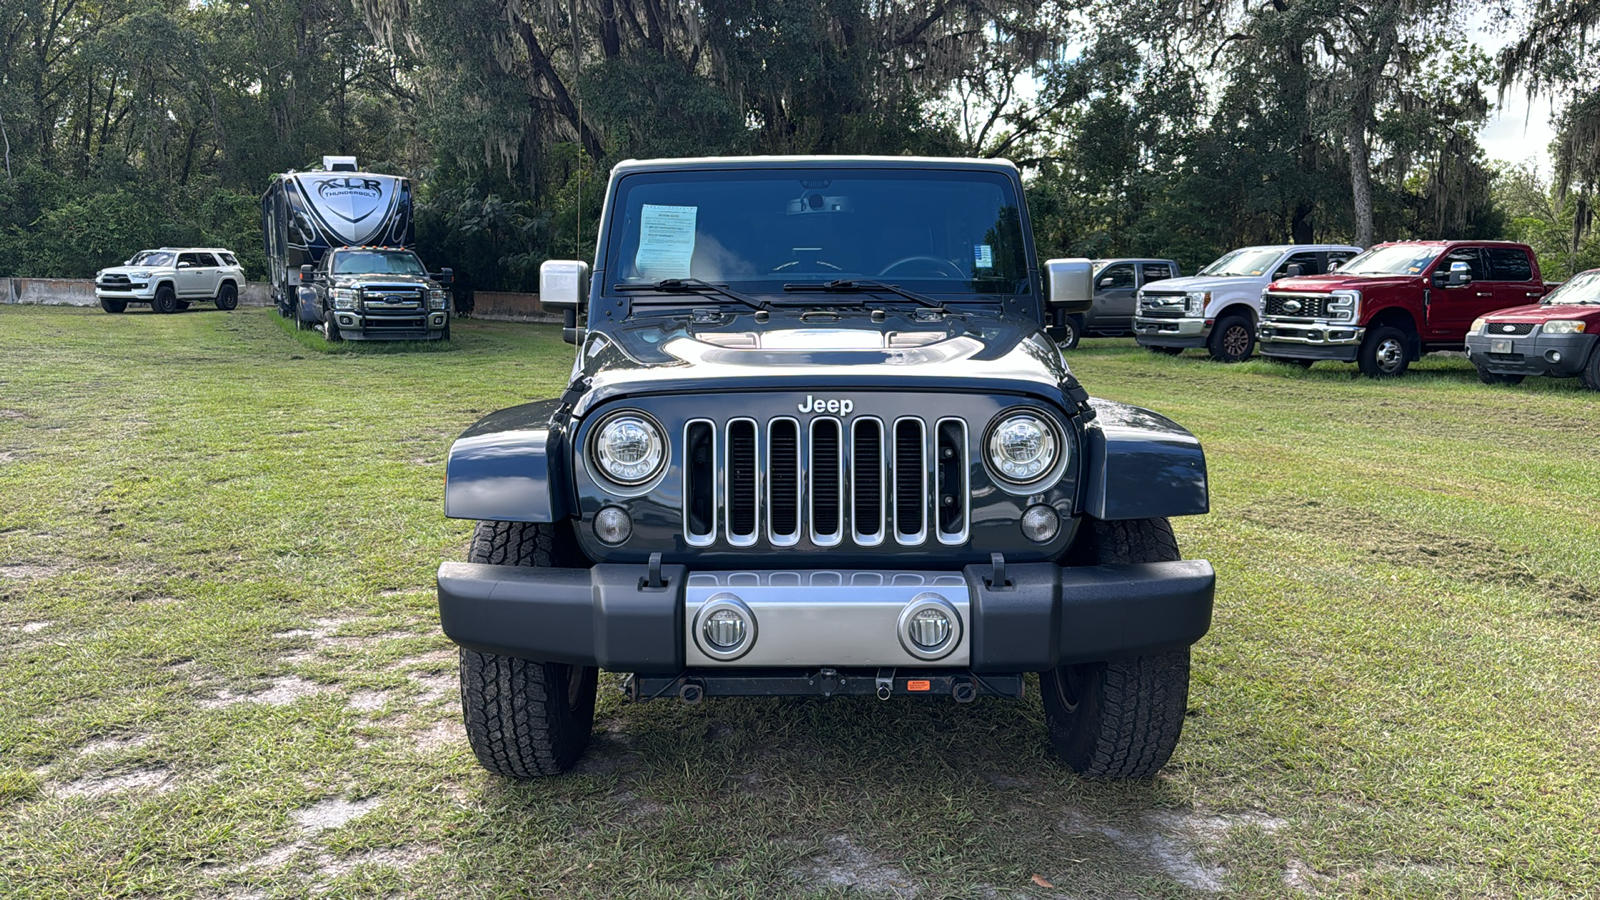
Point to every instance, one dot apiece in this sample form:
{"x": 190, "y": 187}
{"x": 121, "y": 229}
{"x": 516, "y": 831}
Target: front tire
{"x": 1591, "y": 372}
{"x": 165, "y": 300}
{"x": 1232, "y": 340}
{"x": 524, "y": 719}
{"x": 1121, "y": 718}
{"x": 330, "y": 330}
{"x": 1071, "y": 332}
{"x": 1385, "y": 353}
{"x": 227, "y": 297}
{"x": 113, "y": 306}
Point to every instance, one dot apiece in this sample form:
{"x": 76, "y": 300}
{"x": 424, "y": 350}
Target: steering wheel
{"x": 944, "y": 267}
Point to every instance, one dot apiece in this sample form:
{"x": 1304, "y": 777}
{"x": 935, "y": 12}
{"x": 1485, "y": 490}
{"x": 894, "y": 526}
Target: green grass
{"x": 1398, "y": 697}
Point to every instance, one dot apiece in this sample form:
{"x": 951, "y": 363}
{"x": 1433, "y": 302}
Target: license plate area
{"x": 1500, "y": 346}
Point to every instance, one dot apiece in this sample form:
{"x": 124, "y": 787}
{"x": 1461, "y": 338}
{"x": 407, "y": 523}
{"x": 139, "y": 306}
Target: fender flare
{"x": 511, "y": 467}
{"x": 1141, "y": 465}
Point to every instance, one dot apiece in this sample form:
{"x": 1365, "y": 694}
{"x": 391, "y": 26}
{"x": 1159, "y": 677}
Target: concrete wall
{"x": 80, "y": 292}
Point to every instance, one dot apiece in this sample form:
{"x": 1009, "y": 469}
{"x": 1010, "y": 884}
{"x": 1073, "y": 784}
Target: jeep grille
{"x": 864, "y": 481}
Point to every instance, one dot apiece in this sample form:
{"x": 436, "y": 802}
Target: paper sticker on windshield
{"x": 982, "y": 256}
{"x": 666, "y": 241}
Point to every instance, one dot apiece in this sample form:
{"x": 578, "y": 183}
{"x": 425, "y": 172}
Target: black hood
{"x": 721, "y": 350}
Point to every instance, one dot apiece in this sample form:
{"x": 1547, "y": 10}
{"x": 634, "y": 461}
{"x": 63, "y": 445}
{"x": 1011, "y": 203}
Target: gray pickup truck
{"x": 1116, "y": 290}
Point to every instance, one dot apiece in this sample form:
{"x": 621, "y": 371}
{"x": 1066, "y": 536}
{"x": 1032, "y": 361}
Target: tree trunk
{"x": 1360, "y": 173}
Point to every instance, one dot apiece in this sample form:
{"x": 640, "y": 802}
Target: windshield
{"x": 1249, "y": 262}
{"x": 377, "y": 262}
{"x": 152, "y": 258}
{"x": 941, "y": 232}
{"x": 1395, "y": 259}
{"x": 1584, "y": 287}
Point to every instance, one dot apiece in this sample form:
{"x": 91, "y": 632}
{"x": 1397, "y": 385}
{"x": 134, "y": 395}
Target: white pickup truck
{"x": 1219, "y": 307}
{"x": 170, "y": 279}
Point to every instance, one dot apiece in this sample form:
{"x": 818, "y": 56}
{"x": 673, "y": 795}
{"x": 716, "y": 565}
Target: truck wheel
{"x": 166, "y": 301}
{"x": 330, "y": 331}
{"x": 113, "y": 306}
{"x": 1231, "y": 340}
{"x": 227, "y": 296}
{"x": 1122, "y": 718}
{"x": 1591, "y": 372}
{"x": 1164, "y": 351}
{"x": 300, "y": 324}
{"x": 1488, "y": 377}
{"x": 1384, "y": 354}
{"x": 524, "y": 719}
{"x": 1071, "y": 332}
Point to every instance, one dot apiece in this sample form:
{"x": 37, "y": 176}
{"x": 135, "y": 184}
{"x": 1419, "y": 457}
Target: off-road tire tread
{"x": 515, "y": 710}
{"x": 169, "y": 305}
{"x": 1591, "y": 371}
{"x": 227, "y": 296}
{"x": 113, "y": 306}
{"x": 1131, "y": 717}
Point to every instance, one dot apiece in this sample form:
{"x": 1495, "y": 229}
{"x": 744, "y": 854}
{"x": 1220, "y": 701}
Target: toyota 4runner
{"x": 816, "y": 443}
{"x": 170, "y": 279}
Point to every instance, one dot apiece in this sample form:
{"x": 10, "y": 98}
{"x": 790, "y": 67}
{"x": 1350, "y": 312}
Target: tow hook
{"x": 885, "y": 682}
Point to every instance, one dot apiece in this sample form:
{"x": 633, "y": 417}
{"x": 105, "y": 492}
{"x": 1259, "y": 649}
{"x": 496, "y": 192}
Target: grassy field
{"x": 221, "y": 673}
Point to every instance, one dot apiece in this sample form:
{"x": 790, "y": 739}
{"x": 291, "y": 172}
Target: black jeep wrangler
{"x": 815, "y": 443}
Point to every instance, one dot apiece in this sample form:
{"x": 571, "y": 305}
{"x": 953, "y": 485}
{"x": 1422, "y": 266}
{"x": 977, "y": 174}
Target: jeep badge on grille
{"x": 813, "y": 405}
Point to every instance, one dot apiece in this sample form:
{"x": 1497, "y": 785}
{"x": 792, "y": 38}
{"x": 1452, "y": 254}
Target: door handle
{"x": 1485, "y": 293}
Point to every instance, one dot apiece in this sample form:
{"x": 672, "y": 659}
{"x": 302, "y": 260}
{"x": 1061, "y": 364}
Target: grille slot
{"x": 743, "y": 462}
{"x": 950, "y": 495}
{"x": 827, "y": 489}
{"x": 699, "y": 483}
{"x": 827, "y": 479}
{"x": 910, "y": 482}
{"x": 866, "y": 480}
{"x": 783, "y": 481}
{"x": 1496, "y": 329}
{"x": 1312, "y": 306}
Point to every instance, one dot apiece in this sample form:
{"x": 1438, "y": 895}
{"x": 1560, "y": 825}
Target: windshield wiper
{"x": 692, "y": 286}
{"x": 862, "y": 285}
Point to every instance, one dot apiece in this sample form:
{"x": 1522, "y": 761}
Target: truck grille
{"x": 1161, "y": 306}
{"x": 1513, "y": 329}
{"x": 385, "y": 298}
{"x": 1296, "y": 306}
{"x": 828, "y": 481}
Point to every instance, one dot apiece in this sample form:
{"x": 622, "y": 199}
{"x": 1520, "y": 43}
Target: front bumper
{"x": 1042, "y": 616}
{"x": 1557, "y": 355}
{"x": 126, "y": 293}
{"x": 397, "y": 325}
{"x": 1171, "y": 332}
{"x": 1310, "y": 340}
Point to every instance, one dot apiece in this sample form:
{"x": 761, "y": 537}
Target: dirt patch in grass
{"x": 155, "y": 780}
{"x": 106, "y": 746}
{"x": 283, "y": 692}
{"x": 845, "y": 865}
{"x": 448, "y": 733}
{"x": 28, "y": 571}
{"x": 29, "y": 627}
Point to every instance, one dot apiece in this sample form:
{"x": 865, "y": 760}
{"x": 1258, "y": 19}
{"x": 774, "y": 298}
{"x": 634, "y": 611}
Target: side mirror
{"x": 1460, "y": 274}
{"x": 1333, "y": 267}
{"x": 446, "y": 276}
{"x": 561, "y": 283}
{"x": 308, "y": 274}
{"x": 185, "y": 265}
{"x": 1107, "y": 282}
{"x": 1295, "y": 271}
{"x": 1069, "y": 285}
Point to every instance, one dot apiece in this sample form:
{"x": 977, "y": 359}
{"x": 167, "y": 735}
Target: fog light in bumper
{"x": 1040, "y": 524}
{"x": 725, "y": 628}
{"x": 929, "y": 627}
{"x": 1553, "y": 355}
{"x": 613, "y": 525}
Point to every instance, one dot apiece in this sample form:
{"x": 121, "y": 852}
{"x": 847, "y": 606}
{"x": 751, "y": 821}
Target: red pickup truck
{"x": 1395, "y": 302}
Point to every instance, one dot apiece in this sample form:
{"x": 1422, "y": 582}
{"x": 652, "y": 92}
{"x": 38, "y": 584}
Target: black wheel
{"x": 113, "y": 306}
{"x": 227, "y": 296}
{"x": 524, "y": 719}
{"x": 1591, "y": 372}
{"x": 166, "y": 301}
{"x": 1123, "y": 718}
{"x": 1232, "y": 340}
{"x": 1488, "y": 377}
{"x": 1386, "y": 353}
{"x": 1071, "y": 332}
{"x": 330, "y": 330}
{"x": 1164, "y": 351}
{"x": 183, "y": 304}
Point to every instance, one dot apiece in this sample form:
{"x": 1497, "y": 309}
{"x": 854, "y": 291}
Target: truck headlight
{"x": 1023, "y": 447}
{"x": 138, "y": 274}
{"x": 629, "y": 448}
{"x": 1194, "y": 302}
{"x": 344, "y": 298}
{"x": 436, "y": 299}
{"x": 1563, "y": 326}
{"x": 1343, "y": 306}
{"x": 1477, "y": 325}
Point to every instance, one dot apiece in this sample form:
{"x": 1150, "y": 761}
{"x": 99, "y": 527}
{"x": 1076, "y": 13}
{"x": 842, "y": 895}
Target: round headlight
{"x": 629, "y": 449}
{"x": 1023, "y": 448}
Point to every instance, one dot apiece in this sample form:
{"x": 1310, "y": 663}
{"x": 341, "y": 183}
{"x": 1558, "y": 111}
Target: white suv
{"x": 170, "y": 279}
